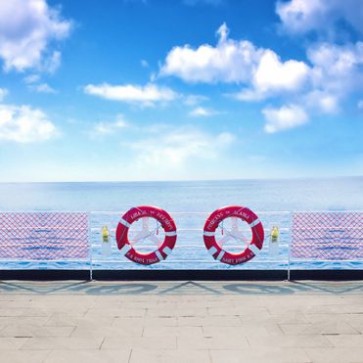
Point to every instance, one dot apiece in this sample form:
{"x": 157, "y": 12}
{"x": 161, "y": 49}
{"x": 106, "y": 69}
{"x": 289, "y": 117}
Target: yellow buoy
{"x": 275, "y": 233}
{"x": 105, "y": 234}
{"x": 105, "y": 239}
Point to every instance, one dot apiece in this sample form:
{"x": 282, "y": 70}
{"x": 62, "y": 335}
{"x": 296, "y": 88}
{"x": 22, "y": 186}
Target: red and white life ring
{"x": 214, "y": 248}
{"x": 163, "y": 250}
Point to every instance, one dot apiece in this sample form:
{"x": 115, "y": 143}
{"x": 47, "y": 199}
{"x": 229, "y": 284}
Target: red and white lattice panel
{"x": 44, "y": 236}
{"x": 327, "y": 236}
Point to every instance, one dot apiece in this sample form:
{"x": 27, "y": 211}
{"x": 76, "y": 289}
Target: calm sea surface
{"x": 197, "y": 196}
{"x": 189, "y": 203}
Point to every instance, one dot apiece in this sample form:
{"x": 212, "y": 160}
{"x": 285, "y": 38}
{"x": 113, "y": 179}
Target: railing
{"x": 39, "y": 240}
{"x": 327, "y": 238}
{"x": 190, "y": 251}
{"x": 63, "y": 240}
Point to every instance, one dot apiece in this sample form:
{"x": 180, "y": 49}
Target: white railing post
{"x": 289, "y": 249}
{"x": 90, "y": 246}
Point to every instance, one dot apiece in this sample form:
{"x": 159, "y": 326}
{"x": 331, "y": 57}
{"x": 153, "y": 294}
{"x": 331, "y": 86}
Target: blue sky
{"x": 180, "y": 90}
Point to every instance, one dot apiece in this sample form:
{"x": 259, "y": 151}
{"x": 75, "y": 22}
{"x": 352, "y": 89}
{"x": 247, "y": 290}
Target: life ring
{"x": 216, "y": 250}
{"x": 163, "y": 250}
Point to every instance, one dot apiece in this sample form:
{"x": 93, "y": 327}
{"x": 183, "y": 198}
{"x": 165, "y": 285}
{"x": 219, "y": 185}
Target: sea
{"x": 189, "y": 203}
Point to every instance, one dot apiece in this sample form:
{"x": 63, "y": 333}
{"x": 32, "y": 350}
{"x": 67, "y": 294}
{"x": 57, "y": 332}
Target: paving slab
{"x": 181, "y": 321}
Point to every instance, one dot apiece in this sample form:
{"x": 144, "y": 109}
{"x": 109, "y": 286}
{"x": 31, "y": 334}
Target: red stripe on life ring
{"x": 166, "y": 246}
{"x": 252, "y": 248}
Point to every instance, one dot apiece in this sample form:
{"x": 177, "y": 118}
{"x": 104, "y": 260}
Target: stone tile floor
{"x": 172, "y": 322}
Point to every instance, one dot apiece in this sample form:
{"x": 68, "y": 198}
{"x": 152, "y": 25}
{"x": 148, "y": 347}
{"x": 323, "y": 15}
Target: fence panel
{"x": 327, "y": 236}
{"x": 44, "y": 236}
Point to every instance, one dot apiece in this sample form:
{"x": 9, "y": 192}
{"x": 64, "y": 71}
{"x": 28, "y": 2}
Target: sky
{"x": 139, "y": 90}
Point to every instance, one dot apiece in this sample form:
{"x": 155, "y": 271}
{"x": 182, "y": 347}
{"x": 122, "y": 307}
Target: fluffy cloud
{"x": 336, "y": 73}
{"x": 336, "y": 67}
{"x": 25, "y": 124}
{"x": 319, "y": 84}
{"x": 230, "y": 61}
{"x": 175, "y": 148}
{"x": 299, "y": 16}
{"x": 148, "y": 95}
{"x": 273, "y": 76}
{"x": 322, "y": 101}
{"x": 233, "y": 61}
{"x": 285, "y": 117}
{"x": 302, "y": 16}
{"x": 26, "y": 31}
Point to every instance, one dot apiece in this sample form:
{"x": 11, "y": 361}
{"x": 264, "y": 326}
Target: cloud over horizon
{"x": 173, "y": 148}
{"x": 25, "y": 124}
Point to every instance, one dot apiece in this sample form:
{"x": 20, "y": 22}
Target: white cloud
{"x": 230, "y": 61}
{"x": 302, "y": 16}
{"x": 148, "y": 95}
{"x": 360, "y": 104}
{"x": 201, "y": 112}
{"x": 25, "y": 124}
{"x": 283, "y": 118}
{"x": 299, "y": 16}
{"x": 42, "y": 88}
{"x": 34, "y": 84}
{"x": 3, "y": 93}
{"x": 26, "y": 30}
{"x": 106, "y": 128}
{"x": 322, "y": 101}
{"x": 52, "y": 63}
{"x": 32, "y": 78}
{"x": 336, "y": 67}
{"x": 331, "y": 73}
{"x": 335, "y": 74}
{"x": 174, "y": 148}
{"x": 236, "y": 62}
{"x": 338, "y": 59}
{"x": 272, "y": 76}
{"x": 337, "y": 70}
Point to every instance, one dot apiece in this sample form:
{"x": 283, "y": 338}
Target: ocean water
{"x": 197, "y": 196}
{"x": 189, "y": 203}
